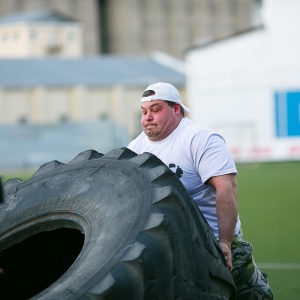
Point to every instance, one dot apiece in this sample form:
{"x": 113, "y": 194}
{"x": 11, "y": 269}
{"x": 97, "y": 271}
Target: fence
{"x": 26, "y": 146}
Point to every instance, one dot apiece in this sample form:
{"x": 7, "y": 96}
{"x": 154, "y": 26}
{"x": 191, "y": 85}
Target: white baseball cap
{"x": 162, "y": 91}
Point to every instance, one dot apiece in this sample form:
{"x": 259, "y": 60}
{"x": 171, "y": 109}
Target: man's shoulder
{"x": 137, "y": 141}
{"x": 189, "y": 126}
{"x": 199, "y": 134}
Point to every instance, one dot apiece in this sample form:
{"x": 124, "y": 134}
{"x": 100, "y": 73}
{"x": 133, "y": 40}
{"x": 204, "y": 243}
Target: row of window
{"x": 35, "y": 34}
{"x": 62, "y": 119}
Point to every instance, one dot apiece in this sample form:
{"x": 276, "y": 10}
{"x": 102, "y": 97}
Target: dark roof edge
{"x": 37, "y": 16}
{"x": 216, "y": 41}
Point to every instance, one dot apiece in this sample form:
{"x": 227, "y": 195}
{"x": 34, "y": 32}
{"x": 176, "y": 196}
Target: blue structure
{"x": 287, "y": 114}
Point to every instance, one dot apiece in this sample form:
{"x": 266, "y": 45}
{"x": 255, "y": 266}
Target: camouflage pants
{"x": 251, "y": 283}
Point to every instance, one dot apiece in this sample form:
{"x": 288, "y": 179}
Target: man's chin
{"x": 150, "y": 133}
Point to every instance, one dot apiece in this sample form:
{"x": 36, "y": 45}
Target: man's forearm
{"x": 227, "y": 210}
{"x": 227, "y": 213}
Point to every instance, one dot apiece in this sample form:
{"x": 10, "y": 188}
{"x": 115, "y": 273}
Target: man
{"x": 201, "y": 160}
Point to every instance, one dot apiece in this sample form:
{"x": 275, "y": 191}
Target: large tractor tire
{"x": 114, "y": 226}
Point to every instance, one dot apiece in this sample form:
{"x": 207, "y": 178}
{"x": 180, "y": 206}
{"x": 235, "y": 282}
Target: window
{"x": 33, "y": 34}
{"x": 71, "y": 35}
{"x": 16, "y": 35}
{"x": 287, "y": 113}
{"x": 4, "y": 36}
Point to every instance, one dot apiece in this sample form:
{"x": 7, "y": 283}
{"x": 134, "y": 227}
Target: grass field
{"x": 269, "y": 205}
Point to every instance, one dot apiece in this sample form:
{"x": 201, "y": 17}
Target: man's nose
{"x": 149, "y": 116}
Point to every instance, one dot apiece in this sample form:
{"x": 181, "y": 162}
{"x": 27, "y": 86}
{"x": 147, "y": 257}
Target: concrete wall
{"x": 171, "y": 26}
{"x": 144, "y": 26}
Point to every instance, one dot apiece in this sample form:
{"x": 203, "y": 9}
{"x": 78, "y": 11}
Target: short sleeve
{"x": 211, "y": 156}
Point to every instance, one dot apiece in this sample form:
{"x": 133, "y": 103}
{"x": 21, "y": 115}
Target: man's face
{"x": 159, "y": 119}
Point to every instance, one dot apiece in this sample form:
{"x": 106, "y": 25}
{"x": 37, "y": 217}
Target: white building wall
{"x": 39, "y": 40}
{"x": 231, "y": 84}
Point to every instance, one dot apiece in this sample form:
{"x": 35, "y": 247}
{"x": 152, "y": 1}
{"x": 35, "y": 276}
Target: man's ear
{"x": 177, "y": 107}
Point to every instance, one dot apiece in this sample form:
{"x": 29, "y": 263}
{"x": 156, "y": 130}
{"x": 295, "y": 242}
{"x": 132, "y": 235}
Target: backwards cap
{"x": 163, "y": 91}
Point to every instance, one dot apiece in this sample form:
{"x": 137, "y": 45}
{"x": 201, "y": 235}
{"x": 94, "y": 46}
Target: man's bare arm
{"x": 227, "y": 211}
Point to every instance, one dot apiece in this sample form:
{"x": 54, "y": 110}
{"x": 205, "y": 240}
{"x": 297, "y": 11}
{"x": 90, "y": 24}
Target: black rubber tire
{"x": 114, "y": 226}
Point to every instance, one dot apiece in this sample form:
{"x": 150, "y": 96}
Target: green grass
{"x": 269, "y": 206}
{"x": 21, "y": 175}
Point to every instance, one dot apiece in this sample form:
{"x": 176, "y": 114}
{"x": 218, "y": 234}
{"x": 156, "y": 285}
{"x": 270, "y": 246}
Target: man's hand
{"x": 226, "y": 249}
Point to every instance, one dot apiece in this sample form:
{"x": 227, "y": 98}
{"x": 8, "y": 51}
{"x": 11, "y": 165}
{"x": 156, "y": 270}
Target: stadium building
{"x": 247, "y": 86}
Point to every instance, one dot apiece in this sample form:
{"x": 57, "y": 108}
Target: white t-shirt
{"x": 195, "y": 154}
